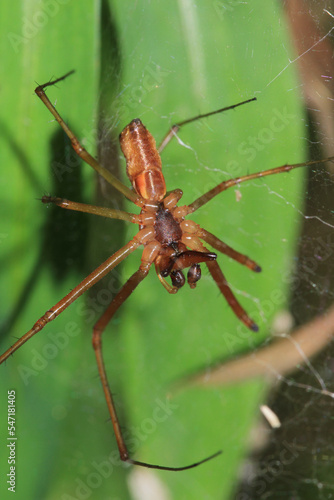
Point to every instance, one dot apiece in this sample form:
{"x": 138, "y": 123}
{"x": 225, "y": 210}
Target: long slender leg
{"x": 79, "y": 149}
{"x": 99, "y": 328}
{"x": 233, "y": 182}
{"x": 175, "y": 128}
{"x": 93, "y": 209}
{"x": 87, "y": 283}
{"x": 227, "y": 250}
{"x": 223, "y": 286}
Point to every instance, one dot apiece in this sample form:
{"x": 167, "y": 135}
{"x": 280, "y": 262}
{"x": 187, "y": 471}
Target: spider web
{"x": 297, "y": 459}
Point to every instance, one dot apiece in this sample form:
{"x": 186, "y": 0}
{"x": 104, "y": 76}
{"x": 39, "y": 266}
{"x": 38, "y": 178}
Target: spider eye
{"x": 177, "y": 278}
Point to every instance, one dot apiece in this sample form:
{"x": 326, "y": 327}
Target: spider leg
{"x": 79, "y": 149}
{"x": 223, "y": 286}
{"x": 199, "y": 202}
{"x": 227, "y": 250}
{"x": 93, "y": 209}
{"x": 175, "y": 128}
{"x": 87, "y": 283}
{"x": 98, "y": 330}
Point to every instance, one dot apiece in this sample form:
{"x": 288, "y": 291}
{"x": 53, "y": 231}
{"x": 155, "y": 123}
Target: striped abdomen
{"x": 143, "y": 162}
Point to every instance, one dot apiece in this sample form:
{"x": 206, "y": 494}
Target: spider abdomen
{"x": 143, "y": 162}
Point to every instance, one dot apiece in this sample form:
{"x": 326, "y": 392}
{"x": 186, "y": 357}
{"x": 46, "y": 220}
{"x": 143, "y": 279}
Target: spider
{"x": 171, "y": 242}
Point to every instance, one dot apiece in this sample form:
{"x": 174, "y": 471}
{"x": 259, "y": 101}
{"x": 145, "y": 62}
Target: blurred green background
{"x": 162, "y": 63}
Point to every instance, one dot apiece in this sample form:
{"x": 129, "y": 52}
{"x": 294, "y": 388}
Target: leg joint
{"x": 96, "y": 339}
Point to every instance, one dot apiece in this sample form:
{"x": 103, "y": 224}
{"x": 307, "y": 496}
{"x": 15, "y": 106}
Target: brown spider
{"x": 170, "y": 241}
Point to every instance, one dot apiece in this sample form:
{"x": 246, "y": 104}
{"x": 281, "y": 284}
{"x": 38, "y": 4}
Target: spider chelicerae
{"x": 171, "y": 242}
